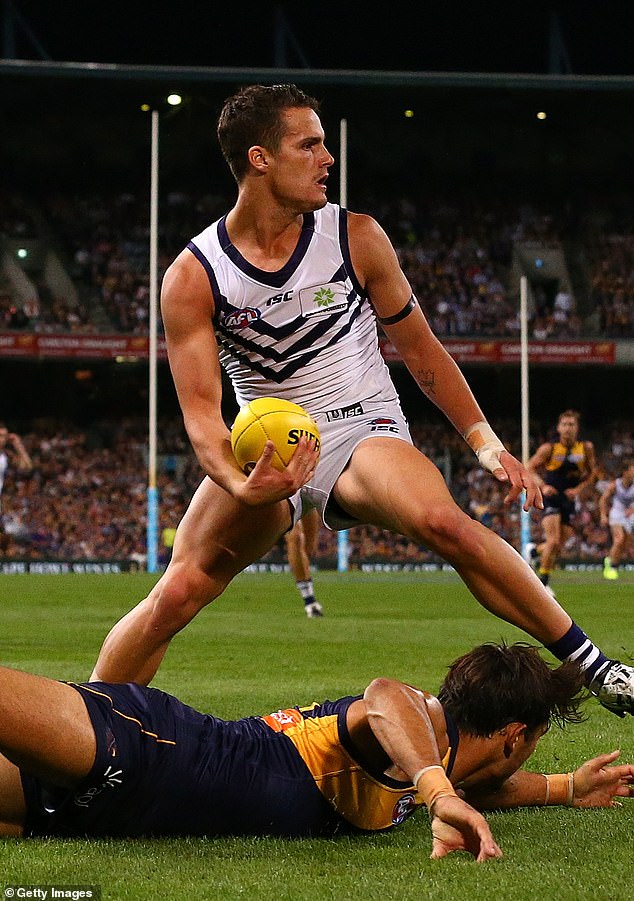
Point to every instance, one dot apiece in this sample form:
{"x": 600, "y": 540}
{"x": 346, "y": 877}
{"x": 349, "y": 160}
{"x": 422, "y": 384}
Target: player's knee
{"x": 450, "y": 531}
{"x": 180, "y": 595}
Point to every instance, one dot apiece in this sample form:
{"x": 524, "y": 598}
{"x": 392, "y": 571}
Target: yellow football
{"x": 270, "y": 419}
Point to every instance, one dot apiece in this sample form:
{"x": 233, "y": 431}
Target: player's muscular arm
{"x": 187, "y": 310}
{"x": 438, "y": 376}
{"x": 406, "y": 723}
{"x": 605, "y": 501}
{"x": 400, "y": 721}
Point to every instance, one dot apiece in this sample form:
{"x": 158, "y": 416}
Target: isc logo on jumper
{"x": 321, "y": 300}
{"x": 383, "y": 424}
{"x": 344, "y": 412}
{"x": 241, "y": 318}
{"x": 279, "y": 298}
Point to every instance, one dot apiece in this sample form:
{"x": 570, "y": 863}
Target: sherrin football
{"x": 270, "y": 419}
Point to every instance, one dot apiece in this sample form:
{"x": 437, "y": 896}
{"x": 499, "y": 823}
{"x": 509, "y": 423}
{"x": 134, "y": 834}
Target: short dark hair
{"x": 497, "y": 684}
{"x": 252, "y": 116}
{"x": 570, "y": 414}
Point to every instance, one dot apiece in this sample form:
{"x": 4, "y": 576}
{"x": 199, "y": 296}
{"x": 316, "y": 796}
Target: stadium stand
{"x": 463, "y": 260}
{"x": 86, "y": 496}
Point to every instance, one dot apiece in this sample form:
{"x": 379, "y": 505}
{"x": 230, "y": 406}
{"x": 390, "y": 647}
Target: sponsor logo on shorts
{"x": 241, "y": 318}
{"x": 344, "y": 412}
{"x": 403, "y": 809}
{"x": 111, "y": 779}
{"x": 383, "y": 424}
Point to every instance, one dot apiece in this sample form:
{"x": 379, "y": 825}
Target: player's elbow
{"x": 380, "y": 685}
{"x": 379, "y": 694}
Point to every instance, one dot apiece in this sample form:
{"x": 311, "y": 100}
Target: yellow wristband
{"x": 560, "y": 789}
{"x": 432, "y": 783}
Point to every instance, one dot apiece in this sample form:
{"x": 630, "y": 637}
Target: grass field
{"x": 254, "y": 651}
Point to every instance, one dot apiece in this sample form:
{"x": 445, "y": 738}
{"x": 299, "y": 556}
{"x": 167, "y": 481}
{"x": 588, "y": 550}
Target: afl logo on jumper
{"x": 403, "y": 809}
{"x": 241, "y": 318}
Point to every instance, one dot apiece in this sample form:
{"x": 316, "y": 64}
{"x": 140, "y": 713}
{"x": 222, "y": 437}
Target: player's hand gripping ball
{"x": 270, "y": 419}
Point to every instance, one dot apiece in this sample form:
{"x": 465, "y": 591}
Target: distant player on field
{"x": 284, "y": 292}
{"x": 12, "y": 452}
{"x": 124, "y": 760}
{"x": 616, "y": 507}
{"x": 563, "y": 469}
{"x": 301, "y": 542}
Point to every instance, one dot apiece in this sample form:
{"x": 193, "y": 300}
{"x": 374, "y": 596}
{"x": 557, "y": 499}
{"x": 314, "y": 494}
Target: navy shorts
{"x": 163, "y": 768}
{"x": 559, "y": 505}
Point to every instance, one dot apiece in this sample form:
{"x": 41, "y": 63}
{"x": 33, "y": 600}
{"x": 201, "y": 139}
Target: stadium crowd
{"x": 85, "y": 497}
{"x": 458, "y": 257}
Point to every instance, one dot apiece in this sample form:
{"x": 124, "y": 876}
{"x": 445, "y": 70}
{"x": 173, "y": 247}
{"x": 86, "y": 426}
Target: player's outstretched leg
{"x": 392, "y": 485}
{"x": 215, "y": 540}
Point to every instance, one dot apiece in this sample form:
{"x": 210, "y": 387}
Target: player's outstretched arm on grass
{"x": 596, "y": 783}
{"x": 402, "y": 720}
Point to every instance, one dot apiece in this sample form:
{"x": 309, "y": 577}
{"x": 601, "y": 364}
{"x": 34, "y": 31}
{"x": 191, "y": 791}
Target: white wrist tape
{"x": 485, "y": 444}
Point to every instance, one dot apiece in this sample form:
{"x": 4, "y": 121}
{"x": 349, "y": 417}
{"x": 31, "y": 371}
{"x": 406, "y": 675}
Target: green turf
{"x": 254, "y": 651}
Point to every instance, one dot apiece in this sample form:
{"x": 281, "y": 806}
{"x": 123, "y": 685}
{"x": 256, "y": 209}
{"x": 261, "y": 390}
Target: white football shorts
{"x": 618, "y": 518}
{"x": 341, "y": 431}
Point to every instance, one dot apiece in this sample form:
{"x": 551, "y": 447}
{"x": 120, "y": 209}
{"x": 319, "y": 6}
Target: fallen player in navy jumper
{"x": 99, "y": 759}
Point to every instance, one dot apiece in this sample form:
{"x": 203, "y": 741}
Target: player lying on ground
{"x": 124, "y": 760}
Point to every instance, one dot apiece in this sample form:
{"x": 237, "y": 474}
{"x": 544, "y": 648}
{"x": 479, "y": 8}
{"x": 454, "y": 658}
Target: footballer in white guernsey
{"x": 285, "y": 292}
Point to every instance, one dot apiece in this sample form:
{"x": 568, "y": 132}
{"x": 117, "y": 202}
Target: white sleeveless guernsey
{"x": 622, "y": 501}
{"x": 306, "y": 333}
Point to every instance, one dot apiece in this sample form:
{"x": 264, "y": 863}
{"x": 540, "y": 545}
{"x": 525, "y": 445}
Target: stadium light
{"x": 174, "y": 99}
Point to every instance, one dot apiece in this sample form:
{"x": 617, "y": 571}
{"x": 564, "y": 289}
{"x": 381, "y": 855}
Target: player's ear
{"x": 512, "y": 734}
{"x": 258, "y": 158}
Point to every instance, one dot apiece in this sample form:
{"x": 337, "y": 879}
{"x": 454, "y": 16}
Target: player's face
{"x": 505, "y": 753}
{"x": 4, "y": 437}
{"x": 299, "y": 167}
{"x": 568, "y": 429}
